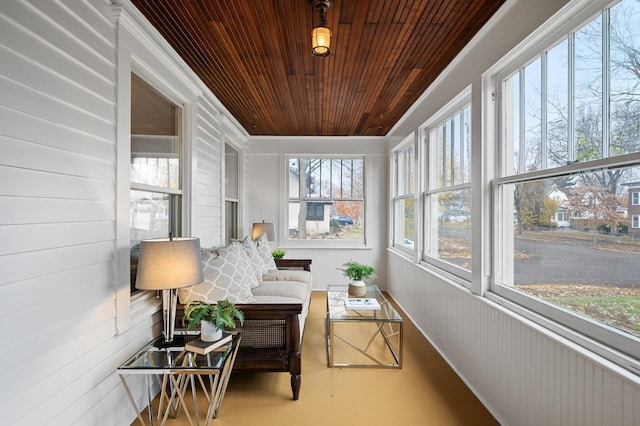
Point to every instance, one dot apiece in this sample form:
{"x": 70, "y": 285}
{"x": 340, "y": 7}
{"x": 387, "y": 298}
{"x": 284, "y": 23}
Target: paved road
{"x": 553, "y": 263}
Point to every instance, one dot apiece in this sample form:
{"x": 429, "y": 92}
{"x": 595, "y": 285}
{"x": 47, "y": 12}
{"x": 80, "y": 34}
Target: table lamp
{"x": 264, "y": 228}
{"x": 168, "y": 264}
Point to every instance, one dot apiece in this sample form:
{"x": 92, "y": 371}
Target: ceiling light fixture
{"x": 321, "y": 35}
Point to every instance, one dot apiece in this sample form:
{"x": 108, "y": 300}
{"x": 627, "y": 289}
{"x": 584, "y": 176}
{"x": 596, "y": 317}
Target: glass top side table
{"x": 384, "y": 323}
{"x": 178, "y": 369}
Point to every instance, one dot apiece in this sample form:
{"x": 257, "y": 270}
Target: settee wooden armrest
{"x": 271, "y": 340}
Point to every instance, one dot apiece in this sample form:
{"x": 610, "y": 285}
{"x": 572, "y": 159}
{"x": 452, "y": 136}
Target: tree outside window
{"x": 326, "y": 199}
{"x": 571, "y": 156}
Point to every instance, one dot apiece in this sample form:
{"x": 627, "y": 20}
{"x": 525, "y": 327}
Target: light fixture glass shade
{"x": 321, "y": 41}
{"x": 165, "y": 264}
{"x": 264, "y": 228}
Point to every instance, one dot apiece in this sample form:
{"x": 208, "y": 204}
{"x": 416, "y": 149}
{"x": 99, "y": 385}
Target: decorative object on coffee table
{"x": 357, "y": 272}
{"x": 213, "y": 318}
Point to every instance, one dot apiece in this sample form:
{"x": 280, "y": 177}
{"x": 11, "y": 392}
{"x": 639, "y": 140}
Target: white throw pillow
{"x": 225, "y": 277}
{"x": 258, "y": 265}
{"x": 262, "y": 244}
{"x": 246, "y": 265}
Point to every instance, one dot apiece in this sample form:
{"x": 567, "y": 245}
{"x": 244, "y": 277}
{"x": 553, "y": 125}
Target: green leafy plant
{"x": 357, "y": 271}
{"x": 278, "y": 253}
{"x": 222, "y": 314}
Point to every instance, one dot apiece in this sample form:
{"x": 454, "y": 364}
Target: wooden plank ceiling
{"x": 255, "y": 56}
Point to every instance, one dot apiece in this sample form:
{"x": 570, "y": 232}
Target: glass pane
{"x": 511, "y": 125}
{"x": 347, "y": 175}
{"x": 440, "y": 155}
{"x": 315, "y": 220}
{"x": 155, "y": 137}
{"x": 451, "y": 240}
{"x": 625, "y": 81}
{"x": 325, "y": 174}
{"x": 575, "y": 245}
{"x": 557, "y": 105}
{"x": 532, "y": 116}
{"x": 149, "y": 215}
{"x": 456, "y": 147}
{"x": 466, "y": 145}
{"x": 294, "y": 178}
{"x": 405, "y": 171}
{"x": 357, "y": 178}
{"x": 588, "y": 91}
{"x": 405, "y": 230}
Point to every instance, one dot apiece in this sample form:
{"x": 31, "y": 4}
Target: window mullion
{"x": 606, "y": 83}
{"x": 571, "y": 101}
{"x": 543, "y": 111}
{"x": 521, "y": 118}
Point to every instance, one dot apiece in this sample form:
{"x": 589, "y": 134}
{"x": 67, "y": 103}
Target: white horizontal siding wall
{"x": 58, "y": 206}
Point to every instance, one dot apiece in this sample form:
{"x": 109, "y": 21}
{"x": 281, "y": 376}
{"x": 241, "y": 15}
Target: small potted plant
{"x": 213, "y": 318}
{"x": 277, "y": 253}
{"x": 357, "y": 272}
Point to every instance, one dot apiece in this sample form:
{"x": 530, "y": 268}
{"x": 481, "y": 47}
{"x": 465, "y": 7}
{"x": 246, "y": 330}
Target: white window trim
{"x": 582, "y": 330}
{"x": 635, "y": 198}
{"x": 635, "y": 221}
{"x": 139, "y": 52}
{"x": 411, "y": 140}
{"x": 455, "y": 105}
{"x": 319, "y": 243}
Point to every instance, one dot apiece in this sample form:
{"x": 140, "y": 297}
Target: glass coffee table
{"x": 175, "y": 368}
{"x": 365, "y": 336}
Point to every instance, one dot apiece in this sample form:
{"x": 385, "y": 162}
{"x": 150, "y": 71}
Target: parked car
{"x": 343, "y": 220}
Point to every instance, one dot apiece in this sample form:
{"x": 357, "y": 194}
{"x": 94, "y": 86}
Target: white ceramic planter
{"x": 209, "y": 333}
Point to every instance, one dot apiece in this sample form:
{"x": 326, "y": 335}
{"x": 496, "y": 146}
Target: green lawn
{"x": 622, "y": 312}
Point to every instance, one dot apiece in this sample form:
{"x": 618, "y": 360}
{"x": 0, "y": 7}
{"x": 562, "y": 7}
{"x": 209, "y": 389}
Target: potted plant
{"x": 213, "y": 318}
{"x": 357, "y": 272}
{"x": 278, "y": 253}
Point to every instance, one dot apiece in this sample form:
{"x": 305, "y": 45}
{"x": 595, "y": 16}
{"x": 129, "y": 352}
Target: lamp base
{"x": 169, "y": 303}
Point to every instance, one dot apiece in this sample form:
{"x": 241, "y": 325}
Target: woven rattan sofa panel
{"x": 271, "y": 340}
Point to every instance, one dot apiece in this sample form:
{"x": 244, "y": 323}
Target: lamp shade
{"x": 264, "y": 228}
{"x": 169, "y": 263}
{"x": 321, "y": 41}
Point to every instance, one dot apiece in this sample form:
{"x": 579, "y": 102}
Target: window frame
{"x": 397, "y": 230}
{"x": 597, "y": 337}
{"x": 175, "y": 196}
{"x": 457, "y": 105}
{"x": 341, "y": 243}
{"x": 158, "y": 68}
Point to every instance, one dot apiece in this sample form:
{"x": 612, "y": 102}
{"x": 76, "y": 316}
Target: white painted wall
{"x": 267, "y": 191}
{"x": 66, "y": 318}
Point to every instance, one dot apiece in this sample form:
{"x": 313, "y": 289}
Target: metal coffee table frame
{"x": 389, "y": 326}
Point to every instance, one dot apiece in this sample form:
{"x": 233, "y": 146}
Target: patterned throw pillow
{"x": 258, "y": 265}
{"x": 262, "y": 244}
{"x": 227, "y": 275}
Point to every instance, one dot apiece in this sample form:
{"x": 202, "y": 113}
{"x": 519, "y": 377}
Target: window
{"x": 404, "y": 231}
{"x": 635, "y": 221}
{"x": 155, "y": 170}
{"x": 447, "y": 213}
{"x": 635, "y": 198}
{"x": 570, "y": 144}
{"x": 326, "y": 199}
